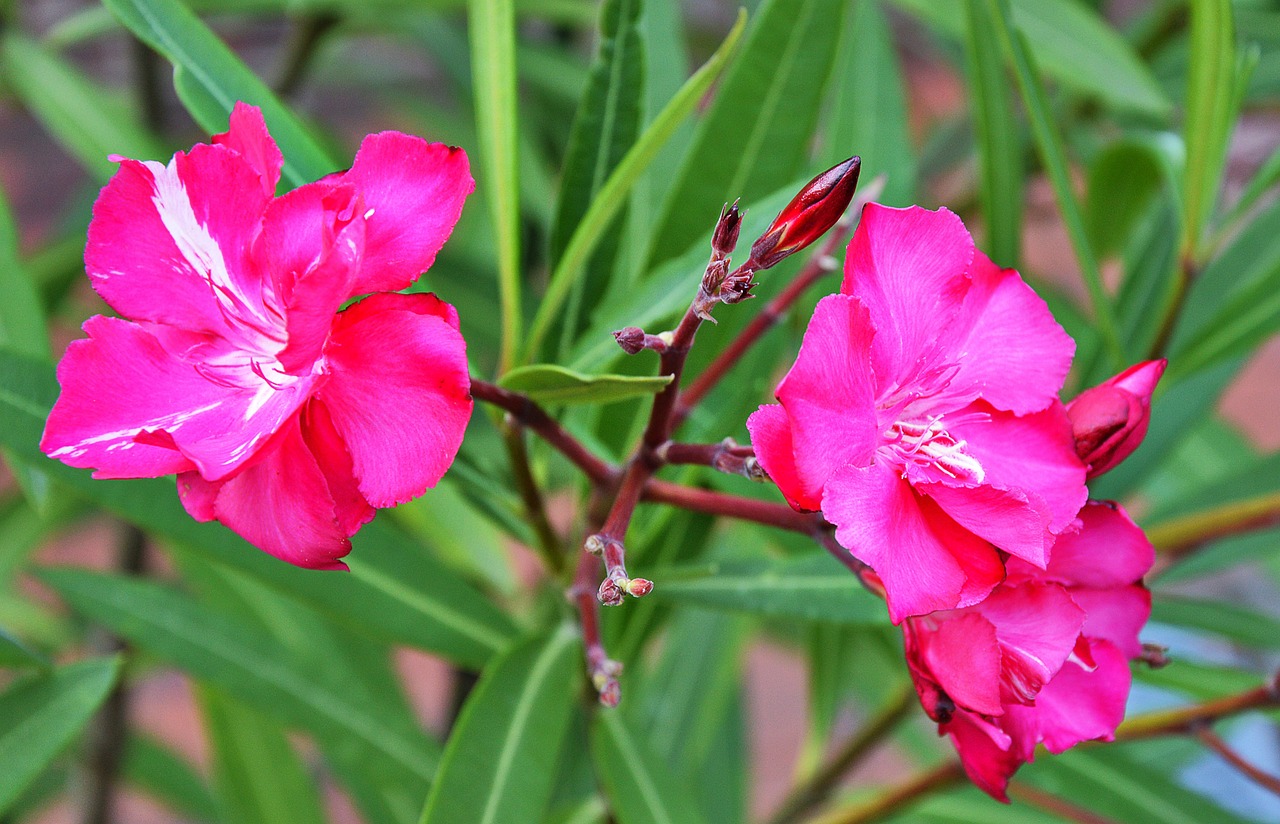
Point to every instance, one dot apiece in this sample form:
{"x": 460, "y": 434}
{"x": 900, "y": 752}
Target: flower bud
{"x": 639, "y": 587}
{"x": 808, "y": 216}
{"x": 630, "y": 338}
{"x": 1110, "y": 420}
{"x": 725, "y": 236}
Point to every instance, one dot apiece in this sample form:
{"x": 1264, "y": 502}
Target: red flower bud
{"x": 808, "y": 216}
{"x": 1110, "y": 420}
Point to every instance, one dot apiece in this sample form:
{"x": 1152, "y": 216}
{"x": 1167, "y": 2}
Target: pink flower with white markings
{"x": 286, "y": 419}
{"x": 921, "y": 415}
{"x": 1044, "y": 659}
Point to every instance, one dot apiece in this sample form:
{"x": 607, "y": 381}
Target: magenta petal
{"x": 331, "y": 455}
{"x": 1037, "y": 625}
{"x": 398, "y": 393}
{"x": 414, "y": 191}
{"x": 1116, "y": 615}
{"x": 1016, "y": 354}
{"x": 1032, "y": 454}
{"x": 985, "y": 751}
{"x": 926, "y": 561}
{"x": 828, "y": 393}
{"x": 282, "y": 505}
{"x": 1003, "y": 517}
{"x": 1077, "y": 705}
{"x": 247, "y": 134}
{"x": 963, "y": 656}
{"x": 909, "y": 267}
{"x": 770, "y": 430}
{"x": 198, "y": 496}
{"x": 170, "y": 244}
{"x": 1110, "y": 550}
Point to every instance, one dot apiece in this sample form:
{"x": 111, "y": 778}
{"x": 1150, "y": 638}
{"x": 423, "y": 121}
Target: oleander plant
{"x": 639, "y": 411}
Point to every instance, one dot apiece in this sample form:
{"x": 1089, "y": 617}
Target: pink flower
{"x": 1110, "y": 420}
{"x": 921, "y": 415}
{"x": 1044, "y": 659}
{"x": 286, "y": 419}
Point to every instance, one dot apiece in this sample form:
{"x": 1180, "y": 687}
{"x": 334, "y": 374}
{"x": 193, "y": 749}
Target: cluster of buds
{"x": 616, "y": 585}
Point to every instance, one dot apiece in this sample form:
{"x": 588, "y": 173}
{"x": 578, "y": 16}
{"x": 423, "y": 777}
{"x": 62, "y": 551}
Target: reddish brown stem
{"x": 726, "y": 456}
{"x": 1214, "y": 742}
{"x": 603, "y": 671}
{"x": 939, "y": 778}
{"x": 1189, "y": 719}
{"x": 734, "y": 506}
{"x": 1051, "y": 803}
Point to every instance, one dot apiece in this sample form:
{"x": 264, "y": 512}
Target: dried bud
{"x": 639, "y": 587}
{"x": 737, "y": 287}
{"x": 612, "y": 592}
{"x": 725, "y": 236}
{"x": 808, "y": 216}
{"x": 594, "y": 544}
{"x": 1110, "y": 420}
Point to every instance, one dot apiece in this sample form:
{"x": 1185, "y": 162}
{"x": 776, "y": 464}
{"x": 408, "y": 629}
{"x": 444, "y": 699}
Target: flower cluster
{"x": 284, "y": 418}
{"x": 922, "y": 418}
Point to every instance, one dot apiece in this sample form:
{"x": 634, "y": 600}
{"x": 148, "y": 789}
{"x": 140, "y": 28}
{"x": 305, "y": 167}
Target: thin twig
{"x": 1055, "y": 805}
{"x": 1179, "y": 537}
{"x": 548, "y": 543}
{"x": 733, "y": 506}
{"x": 818, "y": 788}
{"x": 1187, "y": 719}
{"x": 1214, "y": 742}
{"x": 942, "y": 777}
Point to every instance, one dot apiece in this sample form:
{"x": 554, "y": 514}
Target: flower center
{"x": 927, "y": 448}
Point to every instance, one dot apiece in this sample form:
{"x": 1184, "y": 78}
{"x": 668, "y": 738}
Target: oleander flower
{"x": 1044, "y": 659}
{"x": 921, "y": 415}
{"x": 284, "y": 418}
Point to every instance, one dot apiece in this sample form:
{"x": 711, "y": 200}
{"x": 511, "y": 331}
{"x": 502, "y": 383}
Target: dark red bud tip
{"x": 728, "y": 226}
{"x": 610, "y": 593}
{"x": 1109, "y": 421}
{"x": 809, "y": 215}
{"x": 631, "y": 339}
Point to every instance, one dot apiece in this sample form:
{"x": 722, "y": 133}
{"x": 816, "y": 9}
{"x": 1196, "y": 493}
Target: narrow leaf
{"x": 244, "y": 662}
{"x": 168, "y": 778}
{"x": 495, "y": 768}
{"x": 613, "y": 193}
{"x": 641, "y": 787}
{"x": 1210, "y": 113}
{"x": 39, "y": 716}
{"x": 814, "y": 588}
{"x": 551, "y": 384}
{"x": 756, "y": 135}
{"x": 15, "y": 654}
{"x": 493, "y": 69}
{"x": 210, "y": 78}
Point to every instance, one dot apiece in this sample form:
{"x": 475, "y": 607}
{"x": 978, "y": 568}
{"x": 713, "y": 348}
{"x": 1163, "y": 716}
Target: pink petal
{"x": 247, "y": 135}
{"x": 984, "y": 751}
{"x": 1003, "y": 517}
{"x": 398, "y": 393}
{"x": 1110, "y": 550}
{"x": 828, "y": 393}
{"x": 1015, "y": 354}
{"x": 963, "y": 656}
{"x": 415, "y": 190}
{"x": 770, "y": 430}
{"x": 1116, "y": 615}
{"x": 281, "y": 504}
{"x": 171, "y": 244}
{"x": 129, "y": 408}
{"x": 1077, "y": 705}
{"x": 926, "y": 561}
{"x": 909, "y": 268}
{"x": 334, "y": 460}
{"x": 1032, "y": 454}
{"x": 1037, "y": 626}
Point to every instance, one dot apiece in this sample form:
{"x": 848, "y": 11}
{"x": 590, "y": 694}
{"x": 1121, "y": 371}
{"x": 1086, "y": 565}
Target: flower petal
{"x": 334, "y": 460}
{"x": 1110, "y": 550}
{"x": 828, "y": 393}
{"x": 1015, "y": 354}
{"x": 1037, "y": 626}
{"x": 909, "y": 267}
{"x": 770, "y": 430}
{"x": 984, "y": 751}
{"x": 963, "y": 657}
{"x": 414, "y": 191}
{"x": 170, "y": 244}
{"x": 247, "y": 135}
{"x": 1116, "y": 615}
{"x": 1003, "y": 517}
{"x": 398, "y": 392}
{"x": 281, "y": 504}
{"x": 925, "y": 559}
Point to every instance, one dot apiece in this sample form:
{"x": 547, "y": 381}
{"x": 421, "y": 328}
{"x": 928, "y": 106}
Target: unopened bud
{"x": 1110, "y": 420}
{"x": 611, "y": 592}
{"x": 1154, "y": 656}
{"x": 639, "y": 587}
{"x": 633, "y": 339}
{"x": 809, "y": 215}
{"x": 594, "y": 544}
{"x": 725, "y": 236}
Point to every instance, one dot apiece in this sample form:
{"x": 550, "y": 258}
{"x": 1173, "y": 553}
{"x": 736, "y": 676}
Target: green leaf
{"x": 641, "y": 787}
{"x": 247, "y": 664}
{"x": 13, "y": 653}
{"x": 495, "y": 768}
{"x": 167, "y": 777}
{"x": 868, "y": 108}
{"x": 999, "y": 147}
{"x": 812, "y": 588}
{"x": 1218, "y": 618}
{"x": 493, "y": 69}
{"x": 756, "y": 135}
{"x": 22, "y": 326}
{"x": 90, "y": 122}
{"x": 551, "y": 384}
{"x": 1053, "y": 154}
{"x": 406, "y": 597}
{"x": 1211, "y": 100}
{"x": 1123, "y": 179}
{"x": 210, "y": 78}
{"x": 40, "y": 715}
{"x": 613, "y": 193}
{"x": 1074, "y": 45}
{"x": 258, "y": 775}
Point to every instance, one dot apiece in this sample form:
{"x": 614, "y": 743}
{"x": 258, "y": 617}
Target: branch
{"x": 942, "y": 777}
{"x": 1214, "y": 742}
{"x": 1055, "y": 805}
{"x": 1180, "y": 537}
{"x": 1188, "y": 719}
{"x": 727, "y": 457}
{"x": 733, "y": 506}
